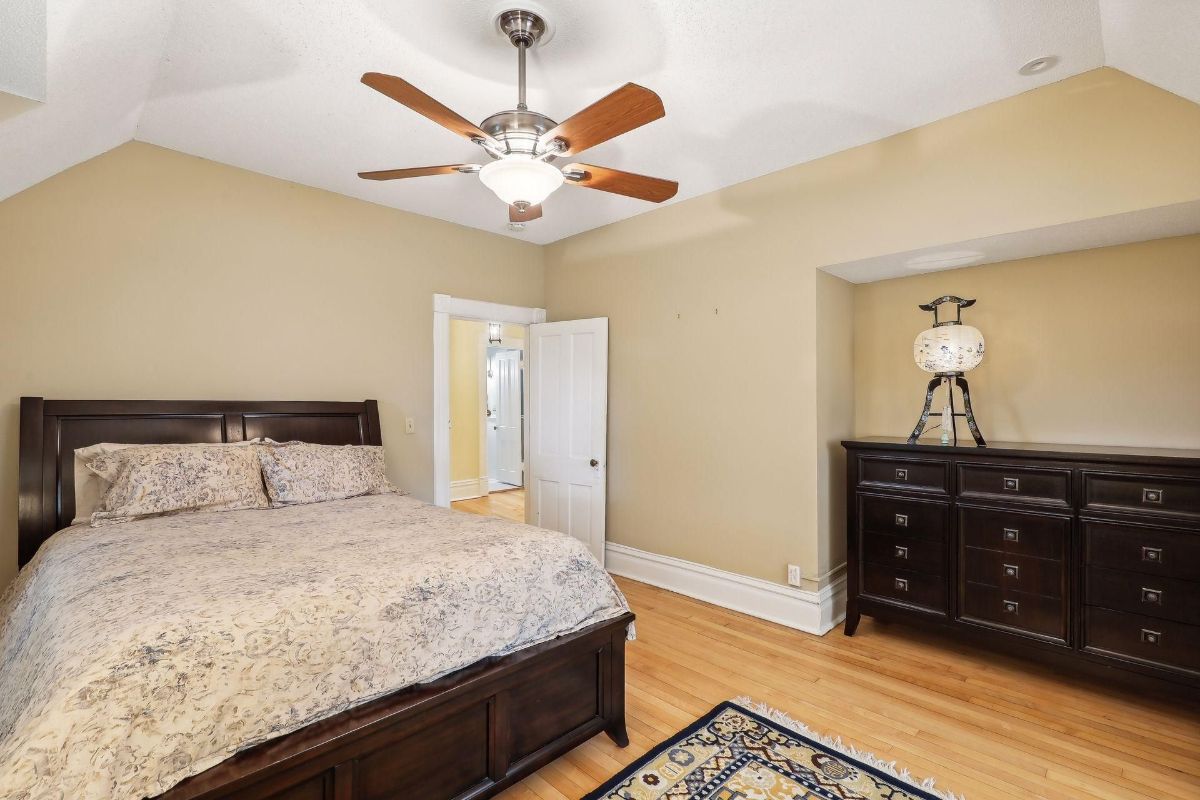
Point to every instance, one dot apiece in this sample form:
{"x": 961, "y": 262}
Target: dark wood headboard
{"x": 51, "y": 431}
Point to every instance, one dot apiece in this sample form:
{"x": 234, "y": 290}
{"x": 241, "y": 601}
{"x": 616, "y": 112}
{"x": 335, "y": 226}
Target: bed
{"x": 467, "y": 733}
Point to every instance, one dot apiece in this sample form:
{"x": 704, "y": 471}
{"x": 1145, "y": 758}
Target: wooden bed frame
{"x": 467, "y": 735}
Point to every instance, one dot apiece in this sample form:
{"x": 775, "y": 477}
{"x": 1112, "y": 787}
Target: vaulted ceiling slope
{"x": 749, "y": 87}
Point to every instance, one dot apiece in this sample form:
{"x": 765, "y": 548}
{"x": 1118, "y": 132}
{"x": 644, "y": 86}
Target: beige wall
{"x": 1093, "y": 347}
{"x": 729, "y": 371}
{"x": 145, "y": 273}
{"x": 721, "y": 425}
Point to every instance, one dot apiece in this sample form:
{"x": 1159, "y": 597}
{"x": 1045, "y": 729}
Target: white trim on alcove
{"x": 446, "y": 308}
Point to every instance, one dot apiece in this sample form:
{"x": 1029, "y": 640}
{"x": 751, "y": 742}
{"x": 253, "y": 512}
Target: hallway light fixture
{"x": 494, "y": 333}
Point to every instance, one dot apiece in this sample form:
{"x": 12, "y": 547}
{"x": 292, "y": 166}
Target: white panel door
{"x": 507, "y": 421}
{"x": 568, "y": 428}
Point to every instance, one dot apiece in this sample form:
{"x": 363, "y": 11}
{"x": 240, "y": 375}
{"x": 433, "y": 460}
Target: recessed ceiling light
{"x": 1038, "y": 65}
{"x": 946, "y": 259}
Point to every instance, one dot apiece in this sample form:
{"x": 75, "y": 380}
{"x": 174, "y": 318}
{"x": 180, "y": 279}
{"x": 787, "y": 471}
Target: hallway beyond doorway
{"x": 506, "y": 505}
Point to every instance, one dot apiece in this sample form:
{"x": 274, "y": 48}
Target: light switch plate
{"x": 410, "y": 425}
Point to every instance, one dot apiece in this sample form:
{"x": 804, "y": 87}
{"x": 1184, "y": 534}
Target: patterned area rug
{"x": 744, "y": 751}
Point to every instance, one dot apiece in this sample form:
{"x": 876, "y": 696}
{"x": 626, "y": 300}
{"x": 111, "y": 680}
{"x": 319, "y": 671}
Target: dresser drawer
{"x": 1014, "y": 532}
{"x": 913, "y": 474}
{"x": 1032, "y": 613}
{"x": 1142, "y": 494}
{"x": 1158, "y": 641}
{"x": 1149, "y": 595}
{"x": 905, "y": 586}
{"x": 1012, "y": 572}
{"x": 916, "y": 518}
{"x": 905, "y": 552}
{"x": 1153, "y": 551}
{"x": 1040, "y": 485}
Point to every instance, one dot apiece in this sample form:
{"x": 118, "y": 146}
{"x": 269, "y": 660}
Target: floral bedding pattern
{"x": 298, "y": 472}
{"x": 168, "y": 478}
{"x": 133, "y": 656}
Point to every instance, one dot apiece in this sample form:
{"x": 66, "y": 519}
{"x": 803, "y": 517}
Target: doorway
{"x": 564, "y": 394}
{"x": 487, "y": 417}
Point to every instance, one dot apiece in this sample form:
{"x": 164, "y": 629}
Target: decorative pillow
{"x": 298, "y": 472}
{"x": 166, "y": 478}
{"x": 90, "y": 487}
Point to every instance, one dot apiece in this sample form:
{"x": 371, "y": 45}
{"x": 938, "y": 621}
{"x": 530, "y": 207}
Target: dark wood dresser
{"x": 1081, "y": 553}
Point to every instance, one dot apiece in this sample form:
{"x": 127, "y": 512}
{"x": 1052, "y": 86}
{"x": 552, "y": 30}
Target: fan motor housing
{"x": 518, "y": 130}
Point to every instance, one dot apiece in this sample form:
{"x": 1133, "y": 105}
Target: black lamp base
{"x": 951, "y": 379}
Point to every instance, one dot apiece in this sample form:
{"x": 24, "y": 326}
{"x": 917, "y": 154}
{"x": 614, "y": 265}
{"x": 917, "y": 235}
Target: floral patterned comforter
{"x": 136, "y": 655}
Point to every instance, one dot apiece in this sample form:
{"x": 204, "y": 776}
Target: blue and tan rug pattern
{"x": 743, "y": 751}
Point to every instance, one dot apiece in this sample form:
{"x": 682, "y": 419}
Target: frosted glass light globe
{"x": 521, "y": 179}
{"x": 948, "y": 348}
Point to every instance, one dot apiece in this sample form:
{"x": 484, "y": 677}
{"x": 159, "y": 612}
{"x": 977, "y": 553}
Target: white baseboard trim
{"x": 808, "y": 611}
{"x": 468, "y": 488}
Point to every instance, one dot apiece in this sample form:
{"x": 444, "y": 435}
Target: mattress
{"x": 136, "y": 655}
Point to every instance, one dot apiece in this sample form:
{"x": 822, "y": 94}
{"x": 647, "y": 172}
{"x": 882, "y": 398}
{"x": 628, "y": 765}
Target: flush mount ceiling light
{"x": 1038, "y": 65}
{"x": 946, "y": 259}
{"x": 523, "y": 143}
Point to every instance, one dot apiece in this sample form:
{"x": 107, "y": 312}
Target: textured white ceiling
{"x": 749, "y": 87}
{"x": 23, "y": 48}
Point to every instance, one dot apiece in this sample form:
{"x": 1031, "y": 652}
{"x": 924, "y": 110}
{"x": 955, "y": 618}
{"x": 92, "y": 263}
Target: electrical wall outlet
{"x": 410, "y": 425}
{"x": 794, "y": 578}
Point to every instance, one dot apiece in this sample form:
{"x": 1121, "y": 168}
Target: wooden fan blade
{"x": 516, "y": 215}
{"x": 406, "y": 94}
{"x": 629, "y": 184}
{"x": 629, "y": 107}
{"x": 414, "y": 172}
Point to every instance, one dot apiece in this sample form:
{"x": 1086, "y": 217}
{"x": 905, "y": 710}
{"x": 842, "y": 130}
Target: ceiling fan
{"x": 522, "y": 143}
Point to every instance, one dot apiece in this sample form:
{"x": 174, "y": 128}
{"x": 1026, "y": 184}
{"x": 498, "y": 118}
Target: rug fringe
{"x": 836, "y": 743}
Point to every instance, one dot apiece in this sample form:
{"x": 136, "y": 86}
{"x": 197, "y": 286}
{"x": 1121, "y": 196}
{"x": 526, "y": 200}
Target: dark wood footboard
{"x": 467, "y": 735}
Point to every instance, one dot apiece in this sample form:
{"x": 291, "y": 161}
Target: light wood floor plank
{"x": 986, "y": 725}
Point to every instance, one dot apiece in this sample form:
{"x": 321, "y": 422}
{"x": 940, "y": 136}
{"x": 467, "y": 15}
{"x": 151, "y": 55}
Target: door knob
{"x": 594, "y": 463}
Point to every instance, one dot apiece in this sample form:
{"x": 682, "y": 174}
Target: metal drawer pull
{"x": 901, "y": 474}
{"x": 1011, "y": 606}
{"x": 1151, "y": 637}
{"x": 901, "y": 552}
{"x": 1012, "y": 535}
{"x": 1154, "y": 554}
{"x": 1152, "y": 496}
{"x": 901, "y": 584}
{"x": 902, "y": 520}
{"x": 1152, "y": 596}
{"x": 1012, "y": 485}
{"x": 1012, "y": 571}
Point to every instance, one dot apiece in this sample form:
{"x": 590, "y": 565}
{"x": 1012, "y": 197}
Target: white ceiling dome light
{"x": 521, "y": 179}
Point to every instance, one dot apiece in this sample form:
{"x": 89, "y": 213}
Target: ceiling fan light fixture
{"x": 520, "y": 179}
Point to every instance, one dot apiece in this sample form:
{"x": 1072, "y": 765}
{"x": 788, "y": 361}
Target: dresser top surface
{"x": 1076, "y": 452}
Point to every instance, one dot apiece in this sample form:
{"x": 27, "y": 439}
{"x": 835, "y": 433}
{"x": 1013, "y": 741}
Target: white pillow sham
{"x": 90, "y": 487}
{"x": 298, "y": 472}
{"x": 157, "y": 479}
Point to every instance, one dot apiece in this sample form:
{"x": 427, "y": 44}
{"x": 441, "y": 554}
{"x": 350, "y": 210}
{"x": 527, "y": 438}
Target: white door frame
{"x": 446, "y": 307}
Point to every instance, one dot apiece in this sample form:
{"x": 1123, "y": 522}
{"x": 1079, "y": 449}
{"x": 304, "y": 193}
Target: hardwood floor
{"x": 508, "y": 505}
{"x": 982, "y": 724}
